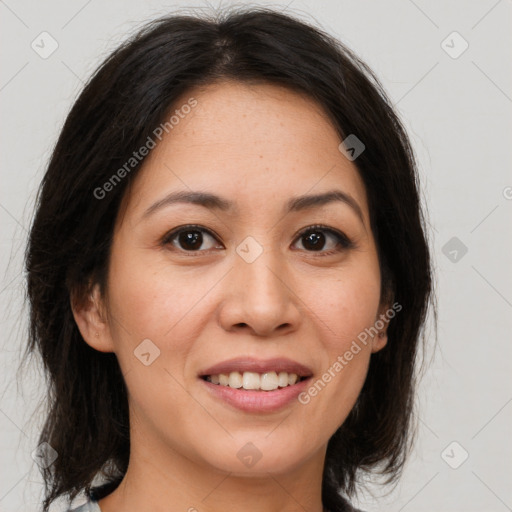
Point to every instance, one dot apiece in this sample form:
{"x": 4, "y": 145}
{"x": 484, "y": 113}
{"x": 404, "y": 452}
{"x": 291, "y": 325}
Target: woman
{"x": 228, "y": 274}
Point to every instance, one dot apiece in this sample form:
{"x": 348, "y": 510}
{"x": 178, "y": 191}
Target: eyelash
{"x": 341, "y": 238}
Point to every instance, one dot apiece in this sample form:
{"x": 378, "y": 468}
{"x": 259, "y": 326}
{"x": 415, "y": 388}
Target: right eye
{"x": 189, "y": 238}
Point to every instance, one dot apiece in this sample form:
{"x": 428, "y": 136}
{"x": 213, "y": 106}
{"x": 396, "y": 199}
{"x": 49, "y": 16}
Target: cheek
{"x": 347, "y": 306}
{"x": 150, "y": 301}
{"x": 149, "y": 298}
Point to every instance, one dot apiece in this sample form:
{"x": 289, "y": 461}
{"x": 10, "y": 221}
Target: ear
{"x": 381, "y": 338}
{"x": 90, "y": 316}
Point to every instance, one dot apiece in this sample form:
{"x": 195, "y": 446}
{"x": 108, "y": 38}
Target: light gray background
{"x": 458, "y": 113}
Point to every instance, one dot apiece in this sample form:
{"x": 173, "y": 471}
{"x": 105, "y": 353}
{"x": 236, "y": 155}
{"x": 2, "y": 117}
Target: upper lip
{"x": 249, "y": 364}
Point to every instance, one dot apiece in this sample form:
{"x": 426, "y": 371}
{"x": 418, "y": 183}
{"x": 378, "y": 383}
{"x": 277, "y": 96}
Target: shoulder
{"x": 93, "y": 496}
{"x": 350, "y": 508}
{"x": 347, "y": 508}
{"x": 341, "y": 505}
{"x": 89, "y": 506}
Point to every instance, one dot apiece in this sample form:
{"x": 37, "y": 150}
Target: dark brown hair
{"x": 68, "y": 249}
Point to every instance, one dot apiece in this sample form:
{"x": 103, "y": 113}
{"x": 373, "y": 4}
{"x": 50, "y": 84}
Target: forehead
{"x": 243, "y": 141}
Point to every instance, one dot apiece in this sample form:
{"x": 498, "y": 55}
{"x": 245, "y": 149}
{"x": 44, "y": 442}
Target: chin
{"x": 259, "y": 454}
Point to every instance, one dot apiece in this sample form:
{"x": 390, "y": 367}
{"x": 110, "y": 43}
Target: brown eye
{"x": 190, "y": 239}
{"x": 318, "y": 238}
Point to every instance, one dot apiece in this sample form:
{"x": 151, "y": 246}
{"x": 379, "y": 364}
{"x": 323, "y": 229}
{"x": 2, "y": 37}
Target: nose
{"x": 259, "y": 298}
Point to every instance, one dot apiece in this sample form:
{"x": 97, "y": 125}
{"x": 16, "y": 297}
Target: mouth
{"x": 256, "y": 387}
{"x": 253, "y": 381}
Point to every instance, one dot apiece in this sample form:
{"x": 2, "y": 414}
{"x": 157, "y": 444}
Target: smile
{"x": 268, "y": 381}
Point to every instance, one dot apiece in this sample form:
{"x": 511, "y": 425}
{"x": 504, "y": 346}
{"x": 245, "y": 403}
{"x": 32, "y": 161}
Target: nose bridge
{"x": 260, "y": 298}
{"x": 259, "y": 266}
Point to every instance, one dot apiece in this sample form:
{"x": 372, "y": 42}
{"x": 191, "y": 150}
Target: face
{"x": 247, "y": 277}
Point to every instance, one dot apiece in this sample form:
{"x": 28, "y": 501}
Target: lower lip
{"x": 257, "y": 401}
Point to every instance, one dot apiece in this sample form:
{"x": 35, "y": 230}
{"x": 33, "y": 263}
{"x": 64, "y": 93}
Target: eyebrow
{"x": 214, "y": 202}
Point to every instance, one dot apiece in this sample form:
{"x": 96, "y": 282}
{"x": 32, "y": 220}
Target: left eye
{"x": 314, "y": 239}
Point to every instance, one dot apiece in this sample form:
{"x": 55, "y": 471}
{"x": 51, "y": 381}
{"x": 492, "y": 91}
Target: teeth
{"x": 292, "y": 379}
{"x": 251, "y": 380}
{"x": 282, "y": 379}
{"x": 269, "y": 381}
{"x": 235, "y": 380}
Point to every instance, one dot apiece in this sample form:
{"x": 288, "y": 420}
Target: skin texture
{"x": 259, "y": 146}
